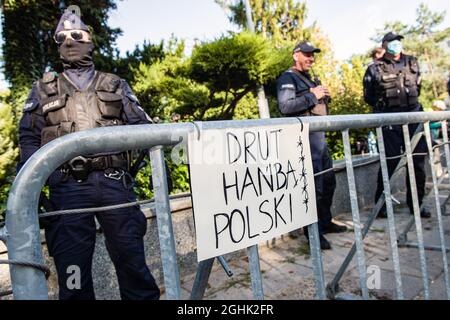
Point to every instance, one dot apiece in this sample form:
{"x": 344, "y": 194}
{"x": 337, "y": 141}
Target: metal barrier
{"x": 23, "y": 236}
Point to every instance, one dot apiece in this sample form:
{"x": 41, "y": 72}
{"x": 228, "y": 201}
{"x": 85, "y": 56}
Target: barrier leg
{"x": 316, "y": 254}
{"x": 447, "y": 155}
{"x": 255, "y": 273}
{"x": 390, "y": 214}
{"x": 415, "y": 200}
{"x": 165, "y": 228}
{"x": 201, "y": 279}
{"x": 438, "y": 208}
{"x": 356, "y": 217}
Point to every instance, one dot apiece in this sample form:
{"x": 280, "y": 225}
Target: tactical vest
{"x": 398, "y": 89}
{"x": 67, "y": 110}
{"x": 321, "y": 109}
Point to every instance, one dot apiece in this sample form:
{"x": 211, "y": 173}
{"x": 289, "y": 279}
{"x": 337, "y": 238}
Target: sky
{"x": 348, "y": 23}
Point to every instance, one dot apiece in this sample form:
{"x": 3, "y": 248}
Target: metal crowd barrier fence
{"x": 22, "y": 226}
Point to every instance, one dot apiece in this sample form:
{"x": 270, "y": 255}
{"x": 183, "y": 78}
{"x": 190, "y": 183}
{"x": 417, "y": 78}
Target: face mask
{"x": 395, "y": 47}
{"x": 76, "y": 54}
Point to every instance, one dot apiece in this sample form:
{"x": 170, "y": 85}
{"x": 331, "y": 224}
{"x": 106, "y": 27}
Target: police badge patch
{"x": 30, "y": 106}
{"x": 288, "y": 86}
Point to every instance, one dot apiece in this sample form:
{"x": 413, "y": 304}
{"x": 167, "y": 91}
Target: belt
{"x": 80, "y": 167}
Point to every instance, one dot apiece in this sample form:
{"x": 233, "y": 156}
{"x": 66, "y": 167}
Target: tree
{"x": 149, "y": 54}
{"x": 212, "y": 82}
{"x": 234, "y": 66}
{"x": 280, "y": 20}
{"x": 423, "y": 40}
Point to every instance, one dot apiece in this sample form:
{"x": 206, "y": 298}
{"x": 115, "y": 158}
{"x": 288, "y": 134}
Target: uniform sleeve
{"x": 133, "y": 112}
{"x": 289, "y": 102}
{"x": 369, "y": 87}
{"x": 30, "y": 127}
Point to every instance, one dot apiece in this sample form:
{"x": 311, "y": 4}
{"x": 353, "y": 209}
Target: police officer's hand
{"x": 320, "y": 92}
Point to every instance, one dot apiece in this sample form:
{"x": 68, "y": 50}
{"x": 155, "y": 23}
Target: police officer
{"x": 392, "y": 84}
{"x": 299, "y": 95}
{"x": 82, "y": 98}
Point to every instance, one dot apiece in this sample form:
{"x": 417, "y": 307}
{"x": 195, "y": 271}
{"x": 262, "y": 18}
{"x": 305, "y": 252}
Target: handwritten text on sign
{"x": 249, "y": 186}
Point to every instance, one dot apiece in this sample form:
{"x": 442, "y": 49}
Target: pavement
{"x": 287, "y": 272}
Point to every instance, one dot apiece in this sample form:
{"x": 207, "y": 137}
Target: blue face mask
{"x": 395, "y": 47}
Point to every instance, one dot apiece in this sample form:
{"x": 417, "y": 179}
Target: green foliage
{"x": 180, "y": 177}
{"x": 280, "y": 20}
{"x": 164, "y": 87}
{"x": 178, "y": 173}
{"x": 247, "y": 108}
{"x": 142, "y": 182}
{"x": 211, "y": 83}
{"x": 8, "y": 149}
{"x": 126, "y": 66}
{"x": 231, "y": 67}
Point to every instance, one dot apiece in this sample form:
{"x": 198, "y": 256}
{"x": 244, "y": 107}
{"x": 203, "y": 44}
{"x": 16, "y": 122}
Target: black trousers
{"x": 326, "y": 183}
{"x": 71, "y": 238}
{"x": 395, "y": 145}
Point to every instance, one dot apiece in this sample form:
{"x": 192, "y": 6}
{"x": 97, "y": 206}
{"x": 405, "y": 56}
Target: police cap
{"x": 391, "y": 36}
{"x": 70, "y": 21}
{"x": 306, "y": 47}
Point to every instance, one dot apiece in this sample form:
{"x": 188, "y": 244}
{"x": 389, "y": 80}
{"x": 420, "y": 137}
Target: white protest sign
{"x": 250, "y": 185}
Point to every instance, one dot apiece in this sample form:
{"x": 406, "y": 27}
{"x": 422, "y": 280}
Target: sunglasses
{"x": 74, "y": 35}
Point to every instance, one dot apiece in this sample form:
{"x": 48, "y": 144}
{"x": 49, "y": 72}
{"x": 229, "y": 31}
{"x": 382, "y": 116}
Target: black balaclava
{"x": 76, "y": 55}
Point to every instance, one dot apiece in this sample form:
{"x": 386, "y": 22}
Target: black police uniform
{"x": 296, "y": 100}
{"x": 71, "y": 238}
{"x": 82, "y": 98}
{"x": 394, "y": 86}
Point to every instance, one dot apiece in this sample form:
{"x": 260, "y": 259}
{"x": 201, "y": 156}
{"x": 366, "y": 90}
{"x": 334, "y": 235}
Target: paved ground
{"x": 287, "y": 270}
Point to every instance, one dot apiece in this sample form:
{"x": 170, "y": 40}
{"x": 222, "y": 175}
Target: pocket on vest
{"x": 53, "y": 132}
{"x": 110, "y": 104}
{"x": 393, "y": 97}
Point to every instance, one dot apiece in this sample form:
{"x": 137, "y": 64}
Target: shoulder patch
{"x": 133, "y": 98}
{"x": 49, "y": 77}
{"x": 288, "y": 86}
{"x": 145, "y": 113}
{"x": 30, "y": 106}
